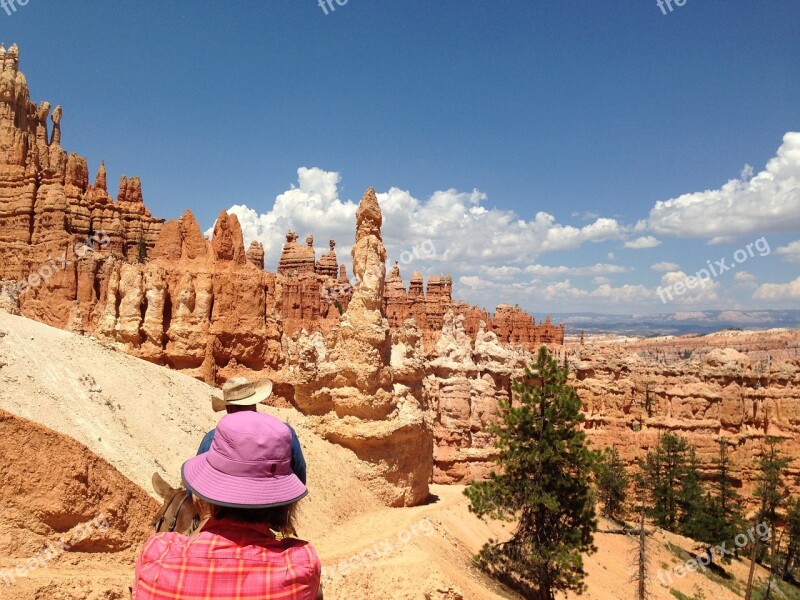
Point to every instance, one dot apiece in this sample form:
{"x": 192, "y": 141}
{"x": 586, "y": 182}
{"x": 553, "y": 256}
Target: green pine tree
{"x": 693, "y": 520}
{"x": 793, "y": 534}
{"x": 664, "y": 470}
{"x": 770, "y": 488}
{"x": 544, "y": 487}
{"x": 726, "y": 507}
{"x": 612, "y": 483}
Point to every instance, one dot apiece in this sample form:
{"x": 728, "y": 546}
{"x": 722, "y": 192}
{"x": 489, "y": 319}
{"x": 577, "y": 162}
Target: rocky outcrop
{"x": 48, "y": 208}
{"x": 255, "y": 255}
{"x": 362, "y": 398}
{"x": 227, "y": 242}
{"x": 296, "y": 259}
{"x": 53, "y": 485}
{"x": 465, "y": 379}
{"x": 181, "y": 240}
{"x": 197, "y": 306}
{"x": 743, "y": 386}
{"x": 427, "y": 306}
{"x": 328, "y": 265}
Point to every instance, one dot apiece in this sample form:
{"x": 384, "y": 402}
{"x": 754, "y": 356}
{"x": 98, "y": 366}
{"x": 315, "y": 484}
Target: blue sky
{"x": 530, "y": 142}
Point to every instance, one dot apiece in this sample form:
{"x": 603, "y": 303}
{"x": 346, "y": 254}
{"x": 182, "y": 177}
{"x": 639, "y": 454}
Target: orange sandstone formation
{"x": 381, "y": 369}
{"x": 357, "y": 386}
{"x": 296, "y": 259}
{"x": 328, "y": 266}
{"x": 48, "y": 206}
{"x": 255, "y": 255}
{"x": 428, "y": 306}
{"x": 742, "y": 386}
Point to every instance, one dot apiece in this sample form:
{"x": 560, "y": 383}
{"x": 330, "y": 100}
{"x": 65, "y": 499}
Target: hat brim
{"x": 215, "y": 487}
{"x": 263, "y": 391}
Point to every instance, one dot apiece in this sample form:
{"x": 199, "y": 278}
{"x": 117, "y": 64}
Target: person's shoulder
{"x": 301, "y": 550}
{"x": 159, "y": 544}
{"x": 205, "y": 443}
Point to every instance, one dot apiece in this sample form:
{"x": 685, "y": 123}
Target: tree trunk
{"x": 749, "y": 593}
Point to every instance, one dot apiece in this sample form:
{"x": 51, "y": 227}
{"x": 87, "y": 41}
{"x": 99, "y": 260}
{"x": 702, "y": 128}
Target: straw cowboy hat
{"x": 240, "y": 391}
{"x": 248, "y": 465}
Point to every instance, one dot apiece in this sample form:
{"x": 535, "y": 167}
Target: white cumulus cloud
{"x": 790, "y": 252}
{"x": 462, "y": 230}
{"x": 640, "y": 243}
{"x": 779, "y": 291}
{"x": 665, "y": 266}
{"x": 768, "y": 201}
{"x": 745, "y": 278}
{"x": 679, "y": 288}
{"x": 593, "y": 270}
{"x": 311, "y": 207}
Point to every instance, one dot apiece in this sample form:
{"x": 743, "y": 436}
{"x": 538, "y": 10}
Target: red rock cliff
{"x": 48, "y": 208}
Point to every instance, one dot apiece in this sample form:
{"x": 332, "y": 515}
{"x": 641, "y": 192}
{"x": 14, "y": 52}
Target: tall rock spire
{"x": 123, "y": 189}
{"x": 369, "y": 217}
{"x": 369, "y": 257}
{"x": 328, "y": 265}
{"x": 227, "y": 242}
{"x": 56, "y": 118}
{"x": 356, "y": 378}
{"x": 100, "y": 182}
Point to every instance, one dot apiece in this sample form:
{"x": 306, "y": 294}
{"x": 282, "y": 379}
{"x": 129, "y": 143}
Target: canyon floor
{"x": 83, "y": 427}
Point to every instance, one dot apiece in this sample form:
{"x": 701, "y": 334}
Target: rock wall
{"x": 465, "y": 379}
{"x": 48, "y": 207}
{"x": 428, "y": 306}
{"x": 743, "y": 386}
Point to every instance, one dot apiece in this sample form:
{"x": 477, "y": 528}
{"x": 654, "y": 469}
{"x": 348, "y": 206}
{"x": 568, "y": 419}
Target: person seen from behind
{"x": 247, "y": 495}
{"x": 239, "y": 394}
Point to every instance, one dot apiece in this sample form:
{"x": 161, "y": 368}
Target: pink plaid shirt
{"x": 226, "y": 561}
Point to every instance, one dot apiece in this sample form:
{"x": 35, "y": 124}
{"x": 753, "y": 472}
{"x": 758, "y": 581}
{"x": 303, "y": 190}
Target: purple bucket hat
{"x": 248, "y": 465}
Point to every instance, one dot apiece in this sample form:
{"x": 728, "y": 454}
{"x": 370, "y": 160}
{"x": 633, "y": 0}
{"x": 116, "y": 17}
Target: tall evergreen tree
{"x": 726, "y": 507}
{"x": 693, "y": 520}
{"x": 793, "y": 534}
{"x": 664, "y": 470}
{"x": 770, "y": 491}
{"x": 544, "y": 487}
{"x": 770, "y": 488}
{"x": 612, "y": 483}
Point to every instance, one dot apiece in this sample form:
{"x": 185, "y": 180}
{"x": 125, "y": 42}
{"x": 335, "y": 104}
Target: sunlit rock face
{"x": 53, "y": 221}
{"x": 743, "y": 386}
